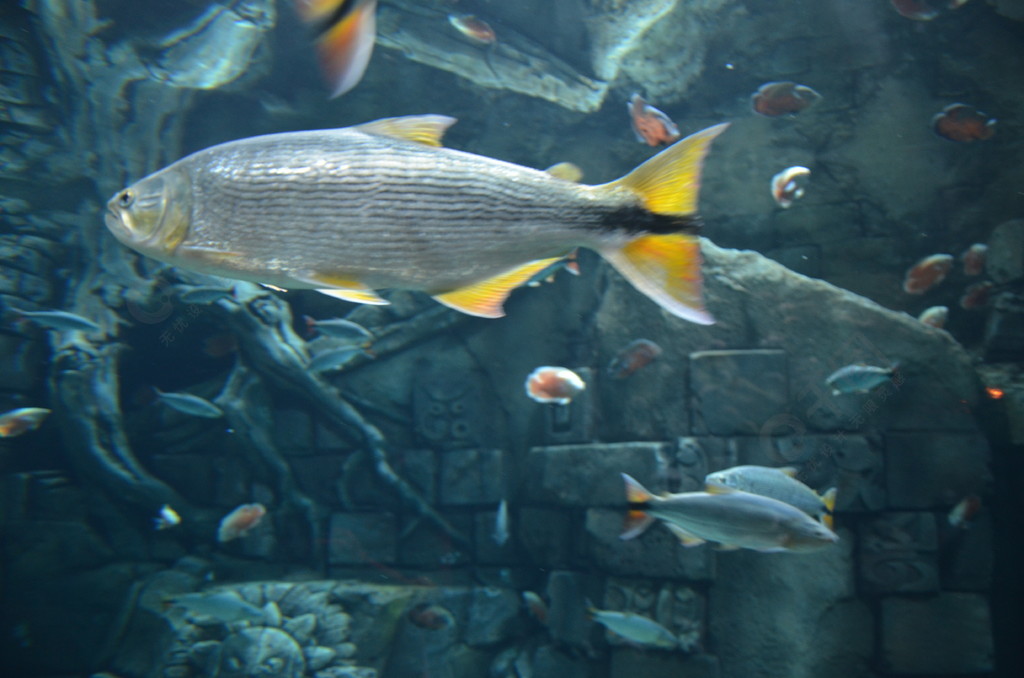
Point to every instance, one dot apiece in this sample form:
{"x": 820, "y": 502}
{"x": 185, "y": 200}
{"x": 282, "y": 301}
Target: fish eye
{"x": 126, "y": 198}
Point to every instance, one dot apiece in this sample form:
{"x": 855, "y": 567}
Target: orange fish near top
{"x": 557, "y": 385}
{"x": 927, "y": 273}
{"x": 346, "y": 31}
{"x": 650, "y": 125}
{"x": 960, "y": 122}
{"x": 774, "y": 99}
{"x": 240, "y": 522}
{"x": 477, "y": 30}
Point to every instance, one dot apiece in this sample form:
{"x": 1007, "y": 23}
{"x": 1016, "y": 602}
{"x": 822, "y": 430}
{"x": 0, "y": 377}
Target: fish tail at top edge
{"x": 666, "y": 266}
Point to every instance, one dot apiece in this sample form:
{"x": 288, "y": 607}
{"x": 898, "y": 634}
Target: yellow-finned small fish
{"x": 381, "y": 205}
{"x": 346, "y": 31}
{"x": 777, "y": 483}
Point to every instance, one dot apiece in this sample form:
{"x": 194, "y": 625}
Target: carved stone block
{"x": 899, "y": 553}
{"x": 471, "y": 477}
{"x": 947, "y": 634}
{"x": 361, "y": 538}
{"x": 678, "y": 608}
{"x": 546, "y": 535}
{"x": 590, "y": 475}
{"x": 735, "y": 392}
{"x": 928, "y": 470}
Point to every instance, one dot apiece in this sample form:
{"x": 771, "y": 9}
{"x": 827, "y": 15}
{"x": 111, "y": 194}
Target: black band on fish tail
{"x": 635, "y": 220}
{"x": 343, "y": 9}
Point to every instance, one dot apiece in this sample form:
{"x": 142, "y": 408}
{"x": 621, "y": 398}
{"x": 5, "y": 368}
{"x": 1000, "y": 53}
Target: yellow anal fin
{"x": 343, "y": 288}
{"x": 667, "y": 269}
{"x": 682, "y": 535}
{"x": 484, "y": 299}
{"x": 669, "y": 183}
{"x": 346, "y": 46}
{"x": 421, "y": 129}
{"x": 635, "y": 524}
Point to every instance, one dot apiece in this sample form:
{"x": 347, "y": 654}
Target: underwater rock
{"x": 1005, "y": 261}
{"x": 917, "y": 635}
{"x": 899, "y": 553}
{"x": 928, "y": 470}
{"x": 261, "y": 651}
{"x": 735, "y": 392}
{"x": 471, "y": 477}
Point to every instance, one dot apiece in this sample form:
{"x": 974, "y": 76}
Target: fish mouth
{"x": 115, "y": 224}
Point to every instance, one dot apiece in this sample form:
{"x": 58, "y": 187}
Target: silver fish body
{"x": 223, "y": 606}
{"x": 636, "y": 628}
{"x": 380, "y": 205}
{"x": 775, "y": 483}
{"x": 858, "y": 378}
{"x": 60, "y": 320}
{"x": 187, "y": 403}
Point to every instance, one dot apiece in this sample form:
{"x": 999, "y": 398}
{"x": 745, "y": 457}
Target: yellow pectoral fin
{"x": 682, "y": 535}
{"x": 485, "y": 299}
{"x": 566, "y": 170}
{"x": 422, "y": 129}
{"x": 667, "y": 269}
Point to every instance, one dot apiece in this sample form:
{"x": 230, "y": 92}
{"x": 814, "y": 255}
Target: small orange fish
{"x": 963, "y": 123}
{"x": 240, "y": 522}
{"x": 554, "y": 385}
{"x": 935, "y": 316}
{"x": 774, "y": 99}
{"x": 636, "y": 355}
{"x": 535, "y": 604}
{"x": 965, "y": 512}
{"x": 650, "y": 125}
{"x": 431, "y": 617}
{"x": 346, "y": 31}
{"x": 974, "y": 258}
{"x": 788, "y": 185}
{"x": 976, "y": 295}
{"x": 475, "y": 29}
{"x": 927, "y": 273}
{"x": 21, "y": 420}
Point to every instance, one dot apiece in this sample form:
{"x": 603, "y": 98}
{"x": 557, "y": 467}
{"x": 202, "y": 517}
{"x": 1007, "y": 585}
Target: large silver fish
{"x": 380, "y": 205}
{"x": 777, "y": 483}
{"x": 732, "y": 518}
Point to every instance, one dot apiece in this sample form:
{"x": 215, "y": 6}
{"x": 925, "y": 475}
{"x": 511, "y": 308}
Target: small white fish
{"x": 190, "y": 404}
{"x": 788, "y": 185}
{"x": 500, "y": 534}
{"x": 536, "y": 605}
{"x": 635, "y": 628}
{"x": 223, "y": 606}
{"x": 339, "y": 328}
{"x": 166, "y": 518}
{"x": 59, "y": 320}
{"x": 935, "y": 316}
{"x": 858, "y": 378}
{"x": 206, "y": 295}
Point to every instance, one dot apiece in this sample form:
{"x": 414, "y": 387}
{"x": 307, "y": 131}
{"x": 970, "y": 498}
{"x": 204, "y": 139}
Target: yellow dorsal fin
{"x": 635, "y": 492}
{"x": 422, "y": 129}
{"x": 790, "y": 471}
{"x": 667, "y": 269}
{"x": 669, "y": 183}
{"x": 682, "y": 535}
{"x": 484, "y": 299}
{"x": 567, "y": 171}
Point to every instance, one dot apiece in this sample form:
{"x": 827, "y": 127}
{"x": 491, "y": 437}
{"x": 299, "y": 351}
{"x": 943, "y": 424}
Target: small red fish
{"x": 650, "y": 125}
{"x": 773, "y": 99}
{"x": 963, "y": 123}
{"x": 554, "y": 385}
{"x": 636, "y": 355}
{"x": 788, "y": 185}
{"x": 21, "y": 420}
{"x": 240, "y": 522}
{"x": 976, "y": 295}
{"x": 475, "y": 29}
{"x": 927, "y": 273}
{"x": 974, "y": 258}
{"x": 431, "y": 617}
{"x": 918, "y": 10}
{"x": 346, "y": 31}
{"x": 965, "y": 512}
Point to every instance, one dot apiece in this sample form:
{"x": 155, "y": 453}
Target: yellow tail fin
{"x": 666, "y": 267}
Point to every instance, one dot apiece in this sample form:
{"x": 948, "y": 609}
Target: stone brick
{"x": 550, "y": 662}
{"x": 590, "y": 475}
{"x": 736, "y": 392}
{"x": 293, "y": 431}
{"x": 967, "y": 557}
{"x": 418, "y": 467}
{"x": 929, "y": 470}
{"x": 629, "y": 663}
{"x": 899, "y": 553}
{"x": 568, "y": 593}
{"x": 488, "y": 551}
{"x": 947, "y": 634}
{"x": 655, "y": 553}
{"x": 424, "y": 545}
{"x": 471, "y": 477}
{"x": 546, "y": 535}
{"x": 318, "y": 476}
{"x": 361, "y": 538}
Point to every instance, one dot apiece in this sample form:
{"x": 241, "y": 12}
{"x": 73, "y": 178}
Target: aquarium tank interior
{"x": 490, "y": 339}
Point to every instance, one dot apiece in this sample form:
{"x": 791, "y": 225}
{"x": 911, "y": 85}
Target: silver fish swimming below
{"x": 635, "y": 628}
{"x": 733, "y": 518}
{"x": 223, "y": 606}
{"x": 59, "y": 320}
{"x": 380, "y": 205}
{"x": 858, "y": 378}
{"x": 186, "y": 403}
{"x": 777, "y": 483}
